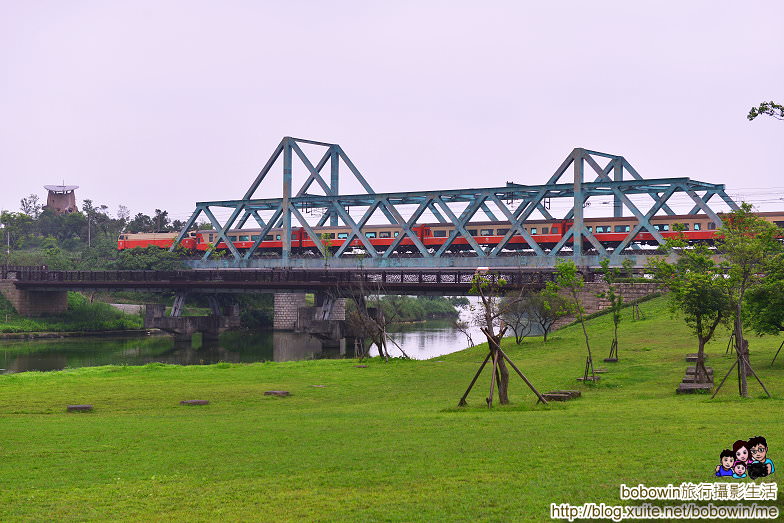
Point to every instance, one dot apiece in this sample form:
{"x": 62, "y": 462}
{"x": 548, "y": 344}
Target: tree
{"x": 569, "y": 280}
{"x": 747, "y": 242}
{"x": 771, "y": 109}
{"x": 698, "y": 290}
{"x": 490, "y": 288}
{"x": 31, "y": 206}
{"x": 140, "y": 223}
{"x": 765, "y": 301}
{"x": 517, "y": 316}
{"x": 160, "y": 221}
{"x": 545, "y": 308}
{"x": 616, "y": 303}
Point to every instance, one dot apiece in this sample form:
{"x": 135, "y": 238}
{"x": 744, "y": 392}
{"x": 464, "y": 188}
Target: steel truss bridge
{"x": 583, "y": 175}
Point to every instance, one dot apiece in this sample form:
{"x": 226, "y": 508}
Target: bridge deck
{"x": 339, "y": 281}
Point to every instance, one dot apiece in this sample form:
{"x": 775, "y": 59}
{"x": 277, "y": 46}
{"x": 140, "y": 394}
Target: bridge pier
{"x": 183, "y": 327}
{"x": 287, "y": 305}
{"x": 33, "y": 303}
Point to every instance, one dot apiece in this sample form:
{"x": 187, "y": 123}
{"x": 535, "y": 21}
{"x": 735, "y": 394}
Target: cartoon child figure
{"x": 739, "y": 467}
{"x": 741, "y": 450}
{"x": 759, "y": 453}
{"x": 726, "y": 460}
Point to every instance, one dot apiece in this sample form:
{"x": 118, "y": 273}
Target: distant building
{"x": 62, "y": 198}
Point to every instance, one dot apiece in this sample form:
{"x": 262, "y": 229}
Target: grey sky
{"x": 165, "y": 103}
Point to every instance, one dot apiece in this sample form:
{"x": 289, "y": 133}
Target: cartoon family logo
{"x": 746, "y": 459}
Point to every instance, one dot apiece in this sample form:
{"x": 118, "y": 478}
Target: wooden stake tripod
{"x": 495, "y": 354}
{"x": 744, "y": 355}
{"x": 777, "y": 354}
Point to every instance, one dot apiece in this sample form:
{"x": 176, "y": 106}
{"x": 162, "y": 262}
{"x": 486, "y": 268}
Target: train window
{"x": 533, "y": 230}
{"x": 685, "y": 226}
{"x": 342, "y": 235}
{"x": 277, "y": 236}
{"x": 397, "y": 233}
{"x": 212, "y": 238}
{"x": 244, "y": 238}
{"x": 661, "y": 226}
{"x": 328, "y": 235}
{"x": 545, "y": 230}
{"x": 233, "y": 238}
{"x": 439, "y": 234}
{"x": 711, "y": 226}
{"x": 554, "y": 230}
{"x": 501, "y": 232}
{"x": 485, "y": 232}
{"x": 385, "y": 234}
{"x": 268, "y": 238}
{"x": 697, "y": 226}
{"x": 621, "y": 228}
{"x": 472, "y": 232}
{"x": 254, "y": 237}
{"x": 780, "y": 224}
{"x": 370, "y": 234}
{"x": 602, "y": 228}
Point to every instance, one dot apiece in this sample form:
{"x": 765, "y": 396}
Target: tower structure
{"x": 61, "y": 198}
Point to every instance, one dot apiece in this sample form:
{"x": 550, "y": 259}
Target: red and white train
{"x": 547, "y": 233}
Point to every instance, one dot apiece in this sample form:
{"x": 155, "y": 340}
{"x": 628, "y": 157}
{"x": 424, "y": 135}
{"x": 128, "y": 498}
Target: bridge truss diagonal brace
{"x": 460, "y": 223}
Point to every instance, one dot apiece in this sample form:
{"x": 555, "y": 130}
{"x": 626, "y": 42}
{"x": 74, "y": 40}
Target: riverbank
{"x": 80, "y": 334}
{"x": 384, "y": 442}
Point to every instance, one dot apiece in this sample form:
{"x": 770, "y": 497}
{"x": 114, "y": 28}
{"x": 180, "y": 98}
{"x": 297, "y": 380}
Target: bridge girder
{"x": 514, "y": 203}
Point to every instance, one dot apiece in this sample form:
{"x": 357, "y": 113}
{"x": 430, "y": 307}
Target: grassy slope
{"x": 380, "y": 443}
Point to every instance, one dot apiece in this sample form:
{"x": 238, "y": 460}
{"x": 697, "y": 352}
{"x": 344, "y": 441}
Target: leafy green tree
{"x": 570, "y": 281}
{"x": 698, "y": 290}
{"x": 765, "y": 301}
{"x": 747, "y": 243}
{"x": 31, "y": 206}
{"x": 545, "y": 308}
{"x": 771, "y": 109}
{"x": 140, "y": 223}
{"x": 611, "y": 275}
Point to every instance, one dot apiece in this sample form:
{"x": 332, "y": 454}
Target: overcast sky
{"x": 159, "y": 104}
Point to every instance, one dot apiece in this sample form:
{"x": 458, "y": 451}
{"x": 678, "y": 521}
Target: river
{"x": 419, "y": 340}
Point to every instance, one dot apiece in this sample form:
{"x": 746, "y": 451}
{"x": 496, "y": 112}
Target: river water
{"x": 420, "y": 341}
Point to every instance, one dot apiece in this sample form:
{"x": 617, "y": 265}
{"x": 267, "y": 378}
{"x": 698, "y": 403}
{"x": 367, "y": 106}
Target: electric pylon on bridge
{"x": 513, "y": 204}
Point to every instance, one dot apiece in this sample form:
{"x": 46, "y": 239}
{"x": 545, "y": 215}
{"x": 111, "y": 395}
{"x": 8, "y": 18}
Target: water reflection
{"x": 420, "y": 341}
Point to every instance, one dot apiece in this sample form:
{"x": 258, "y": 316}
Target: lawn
{"x": 385, "y": 442}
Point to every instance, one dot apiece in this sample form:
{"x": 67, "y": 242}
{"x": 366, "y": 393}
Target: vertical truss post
{"x": 286, "y": 249}
{"x": 579, "y": 199}
{"x": 334, "y": 180}
{"x": 618, "y": 177}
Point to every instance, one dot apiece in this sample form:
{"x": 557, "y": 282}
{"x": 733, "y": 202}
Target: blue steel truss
{"x": 514, "y": 204}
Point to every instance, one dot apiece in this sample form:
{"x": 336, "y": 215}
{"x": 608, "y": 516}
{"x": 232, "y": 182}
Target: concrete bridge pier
{"x": 33, "y": 303}
{"x": 183, "y": 327}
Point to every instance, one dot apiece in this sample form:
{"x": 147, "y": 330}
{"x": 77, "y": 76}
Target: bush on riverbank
{"x": 80, "y": 316}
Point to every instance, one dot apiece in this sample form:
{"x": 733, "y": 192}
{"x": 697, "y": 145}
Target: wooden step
{"x": 611, "y": 360}
{"x": 556, "y": 397}
{"x": 589, "y": 378}
{"x": 692, "y": 357}
{"x": 692, "y": 388}
{"x": 572, "y": 393}
{"x": 693, "y": 370}
{"x": 692, "y": 378}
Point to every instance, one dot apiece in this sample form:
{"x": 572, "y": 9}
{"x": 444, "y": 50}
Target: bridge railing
{"x": 371, "y": 278}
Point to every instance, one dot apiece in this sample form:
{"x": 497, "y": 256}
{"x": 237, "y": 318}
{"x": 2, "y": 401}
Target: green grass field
{"x": 379, "y": 443}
